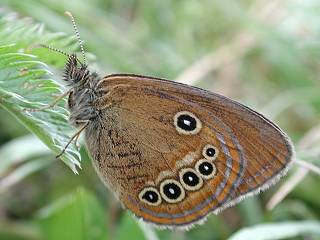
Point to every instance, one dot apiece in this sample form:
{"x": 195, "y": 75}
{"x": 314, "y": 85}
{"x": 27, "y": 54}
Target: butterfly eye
{"x": 210, "y": 152}
{"x": 206, "y": 169}
{"x": 187, "y": 123}
{"x": 171, "y": 191}
{"x": 190, "y": 179}
{"x": 151, "y": 196}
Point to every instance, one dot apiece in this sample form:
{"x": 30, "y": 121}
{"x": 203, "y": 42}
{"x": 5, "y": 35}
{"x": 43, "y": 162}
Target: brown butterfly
{"x": 170, "y": 152}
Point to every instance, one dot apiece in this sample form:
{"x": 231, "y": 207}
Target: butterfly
{"x": 172, "y": 153}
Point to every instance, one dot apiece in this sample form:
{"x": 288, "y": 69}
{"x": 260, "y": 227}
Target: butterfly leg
{"x": 74, "y": 138}
{"x": 50, "y": 105}
{"x": 76, "y": 143}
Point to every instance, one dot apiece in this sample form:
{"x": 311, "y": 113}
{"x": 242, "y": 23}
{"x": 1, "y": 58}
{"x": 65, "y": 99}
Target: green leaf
{"x": 77, "y": 216}
{"x": 282, "y": 230}
{"x": 19, "y": 150}
{"x": 26, "y": 82}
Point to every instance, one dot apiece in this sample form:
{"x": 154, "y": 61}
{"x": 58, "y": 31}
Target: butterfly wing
{"x": 158, "y": 140}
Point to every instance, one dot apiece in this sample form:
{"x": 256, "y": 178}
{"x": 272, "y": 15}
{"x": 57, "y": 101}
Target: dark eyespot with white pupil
{"x": 187, "y": 122}
{"x": 206, "y": 168}
{"x": 150, "y": 196}
{"x": 210, "y": 152}
{"x": 172, "y": 191}
{"x": 190, "y": 179}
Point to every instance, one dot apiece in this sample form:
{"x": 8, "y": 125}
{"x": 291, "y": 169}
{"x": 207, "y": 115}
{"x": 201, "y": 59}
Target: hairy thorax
{"x": 81, "y": 106}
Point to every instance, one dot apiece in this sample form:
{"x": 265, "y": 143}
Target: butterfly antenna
{"x": 55, "y": 49}
{"x": 77, "y": 35}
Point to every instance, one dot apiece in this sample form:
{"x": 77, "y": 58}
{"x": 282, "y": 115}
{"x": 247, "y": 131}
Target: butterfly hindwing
{"x": 174, "y": 153}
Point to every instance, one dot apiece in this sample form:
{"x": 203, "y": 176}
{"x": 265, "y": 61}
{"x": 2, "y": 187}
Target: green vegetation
{"x": 265, "y": 54}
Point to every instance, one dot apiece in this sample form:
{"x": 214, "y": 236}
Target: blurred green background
{"x": 265, "y": 54}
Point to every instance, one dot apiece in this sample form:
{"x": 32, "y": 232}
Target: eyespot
{"x": 172, "y": 191}
{"x": 206, "y": 169}
{"x": 187, "y": 123}
{"x": 150, "y": 195}
{"x": 190, "y": 179}
{"x": 210, "y": 152}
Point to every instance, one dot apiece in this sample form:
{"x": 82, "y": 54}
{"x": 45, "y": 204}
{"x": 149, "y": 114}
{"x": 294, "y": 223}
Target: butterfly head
{"x": 77, "y": 73}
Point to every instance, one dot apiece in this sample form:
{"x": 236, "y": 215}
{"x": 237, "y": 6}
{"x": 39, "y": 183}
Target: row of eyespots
{"x": 173, "y": 191}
